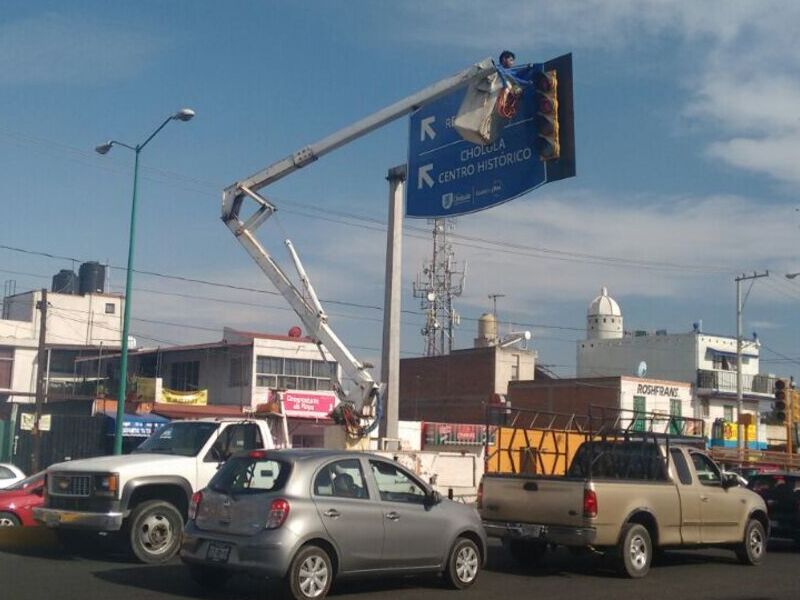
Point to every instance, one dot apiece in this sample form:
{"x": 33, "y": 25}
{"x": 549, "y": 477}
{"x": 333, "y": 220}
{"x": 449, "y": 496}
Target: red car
{"x": 17, "y": 502}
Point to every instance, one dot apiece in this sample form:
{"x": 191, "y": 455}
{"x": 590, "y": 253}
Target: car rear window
{"x": 249, "y": 475}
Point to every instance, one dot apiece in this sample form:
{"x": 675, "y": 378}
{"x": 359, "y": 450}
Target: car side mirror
{"x": 434, "y": 498}
{"x": 729, "y": 480}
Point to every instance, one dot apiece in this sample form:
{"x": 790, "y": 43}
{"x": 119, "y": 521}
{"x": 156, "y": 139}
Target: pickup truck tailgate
{"x": 545, "y": 501}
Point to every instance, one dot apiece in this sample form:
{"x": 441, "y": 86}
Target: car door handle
{"x": 333, "y": 513}
{"x": 704, "y": 498}
{"x": 393, "y": 516}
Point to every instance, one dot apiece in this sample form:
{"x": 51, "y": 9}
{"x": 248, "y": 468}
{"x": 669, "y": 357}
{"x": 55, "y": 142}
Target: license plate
{"x": 537, "y": 531}
{"x": 218, "y": 552}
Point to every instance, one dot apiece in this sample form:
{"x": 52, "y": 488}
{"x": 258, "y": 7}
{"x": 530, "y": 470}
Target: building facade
{"x": 707, "y": 362}
{"x": 456, "y": 387}
{"x": 232, "y": 376}
{"x": 77, "y": 325}
{"x": 635, "y": 403}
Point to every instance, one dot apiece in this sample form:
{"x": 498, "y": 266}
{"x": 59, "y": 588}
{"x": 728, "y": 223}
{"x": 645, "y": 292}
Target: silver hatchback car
{"x": 309, "y": 516}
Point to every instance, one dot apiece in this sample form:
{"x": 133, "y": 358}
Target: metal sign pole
{"x": 390, "y": 355}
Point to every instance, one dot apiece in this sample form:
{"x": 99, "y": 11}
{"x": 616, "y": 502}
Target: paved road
{"x": 37, "y": 570}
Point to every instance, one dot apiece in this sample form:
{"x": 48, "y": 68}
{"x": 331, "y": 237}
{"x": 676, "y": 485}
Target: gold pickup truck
{"x": 625, "y": 499}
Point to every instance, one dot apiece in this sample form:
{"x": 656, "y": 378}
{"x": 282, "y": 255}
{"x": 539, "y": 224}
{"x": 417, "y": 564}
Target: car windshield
{"x": 181, "y": 439}
{"x": 251, "y": 475}
{"x": 27, "y": 482}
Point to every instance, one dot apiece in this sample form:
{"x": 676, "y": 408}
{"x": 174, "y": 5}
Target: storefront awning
{"x": 180, "y": 411}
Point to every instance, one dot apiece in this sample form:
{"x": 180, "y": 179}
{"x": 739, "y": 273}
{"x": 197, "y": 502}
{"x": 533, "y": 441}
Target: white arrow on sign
{"x": 426, "y": 129}
{"x": 424, "y": 177}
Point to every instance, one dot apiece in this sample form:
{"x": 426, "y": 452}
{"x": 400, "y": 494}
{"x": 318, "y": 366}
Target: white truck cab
{"x": 145, "y": 495}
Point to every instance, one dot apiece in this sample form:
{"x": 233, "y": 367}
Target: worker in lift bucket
{"x": 507, "y": 59}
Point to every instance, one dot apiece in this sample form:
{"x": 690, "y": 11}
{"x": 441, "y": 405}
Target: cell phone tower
{"x": 437, "y": 285}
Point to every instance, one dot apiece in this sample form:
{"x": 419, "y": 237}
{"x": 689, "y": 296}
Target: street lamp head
{"x": 104, "y": 148}
{"x": 184, "y": 114}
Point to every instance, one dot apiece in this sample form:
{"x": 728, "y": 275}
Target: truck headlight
{"x": 106, "y": 485}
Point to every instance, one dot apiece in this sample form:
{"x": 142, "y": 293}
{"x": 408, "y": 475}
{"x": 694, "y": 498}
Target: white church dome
{"x": 604, "y": 306}
{"x": 604, "y": 318}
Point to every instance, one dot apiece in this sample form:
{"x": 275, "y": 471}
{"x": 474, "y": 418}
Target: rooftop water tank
{"x": 65, "y": 282}
{"x": 92, "y": 278}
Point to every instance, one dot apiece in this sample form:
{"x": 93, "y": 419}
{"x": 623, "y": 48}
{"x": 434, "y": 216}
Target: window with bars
{"x": 6, "y": 366}
{"x": 185, "y": 376}
{"x": 239, "y": 375}
{"x": 294, "y": 373}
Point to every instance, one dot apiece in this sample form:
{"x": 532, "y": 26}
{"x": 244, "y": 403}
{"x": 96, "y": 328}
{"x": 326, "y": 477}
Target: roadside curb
{"x": 13, "y": 538}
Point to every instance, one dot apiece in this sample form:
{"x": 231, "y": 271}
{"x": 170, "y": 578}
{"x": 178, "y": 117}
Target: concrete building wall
{"x": 565, "y": 396}
{"x": 89, "y": 320}
{"x": 669, "y": 357}
{"x": 450, "y": 388}
{"x": 455, "y": 388}
{"x": 513, "y": 365}
{"x": 213, "y": 373}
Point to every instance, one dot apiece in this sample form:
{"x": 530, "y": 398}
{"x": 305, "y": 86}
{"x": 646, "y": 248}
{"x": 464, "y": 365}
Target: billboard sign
{"x": 449, "y": 176}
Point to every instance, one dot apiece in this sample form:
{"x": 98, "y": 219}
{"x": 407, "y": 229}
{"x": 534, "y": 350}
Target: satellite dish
{"x": 641, "y": 370}
{"x": 431, "y": 296}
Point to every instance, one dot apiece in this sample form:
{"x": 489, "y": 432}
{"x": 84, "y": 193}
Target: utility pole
{"x": 41, "y": 360}
{"x": 739, "y": 307}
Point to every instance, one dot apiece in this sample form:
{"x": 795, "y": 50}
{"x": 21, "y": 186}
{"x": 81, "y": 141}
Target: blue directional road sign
{"x": 448, "y": 176}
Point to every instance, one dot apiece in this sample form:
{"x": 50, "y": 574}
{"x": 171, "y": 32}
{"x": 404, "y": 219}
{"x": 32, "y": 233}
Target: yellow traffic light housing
{"x": 549, "y": 142}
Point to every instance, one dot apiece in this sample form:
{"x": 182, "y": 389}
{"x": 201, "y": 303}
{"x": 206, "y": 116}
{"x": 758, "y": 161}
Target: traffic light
{"x": 782, "y": 400}
{"x": 549, "y": 143}
{"x": 556, "y": 129}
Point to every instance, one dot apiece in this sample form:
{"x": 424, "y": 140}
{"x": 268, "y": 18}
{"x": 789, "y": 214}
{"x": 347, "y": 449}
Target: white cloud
{"x": 55, "y": 48}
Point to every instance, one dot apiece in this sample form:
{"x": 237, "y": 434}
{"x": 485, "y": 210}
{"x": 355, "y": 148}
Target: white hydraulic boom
{"x": 361, "y": 414}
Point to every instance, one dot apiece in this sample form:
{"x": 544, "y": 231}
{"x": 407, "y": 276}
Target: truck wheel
{"x": 209, "y": 578}
{"x": 754, "y": 545}
{"x": 8, "y": 520}
{"x": 635, "y": 552}
{"x": 154, "y": 531}
{"x": 526, "y": 553}
{"x": 463, "y": 565}
{"x": 310, "y": 574}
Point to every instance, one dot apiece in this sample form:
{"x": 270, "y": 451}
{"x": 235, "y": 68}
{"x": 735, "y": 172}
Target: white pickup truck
{"x": 144, "y": 496}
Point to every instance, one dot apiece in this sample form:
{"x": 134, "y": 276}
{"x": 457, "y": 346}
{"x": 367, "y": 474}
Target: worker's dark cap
{"x": 507, "y": 54}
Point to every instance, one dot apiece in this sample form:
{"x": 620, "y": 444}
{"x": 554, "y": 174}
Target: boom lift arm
{"x": 360, "y": 415}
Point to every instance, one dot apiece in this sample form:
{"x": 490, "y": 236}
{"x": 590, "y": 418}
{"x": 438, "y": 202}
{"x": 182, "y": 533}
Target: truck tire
{"x": 753, "y": 547}
{"x": 463, "y": 564}
{"x": 635, "y": 551}
{"x": 525, "y": 552}
{"x": 154, "y": 531}
{"x": 310, "y": 574}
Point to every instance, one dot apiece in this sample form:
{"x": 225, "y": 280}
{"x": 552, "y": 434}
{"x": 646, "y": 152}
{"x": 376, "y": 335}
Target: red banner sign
{"x": 309, "y": 405}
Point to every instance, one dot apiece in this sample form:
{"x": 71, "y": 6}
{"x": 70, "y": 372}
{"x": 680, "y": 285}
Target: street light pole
{"x": 185, "y": 114}
{"x": 739, "y": 394}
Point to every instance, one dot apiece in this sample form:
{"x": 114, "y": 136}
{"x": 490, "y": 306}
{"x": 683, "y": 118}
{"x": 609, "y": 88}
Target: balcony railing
{"x": 725, "y": 381}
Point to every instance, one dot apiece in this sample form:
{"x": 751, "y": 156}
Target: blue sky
{"x": 687, "y": 137}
